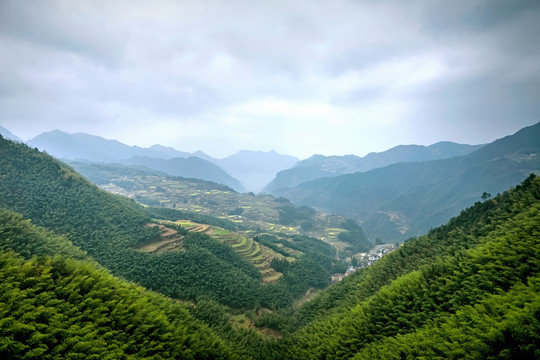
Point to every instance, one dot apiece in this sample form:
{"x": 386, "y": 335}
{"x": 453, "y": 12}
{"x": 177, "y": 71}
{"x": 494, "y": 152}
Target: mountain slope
{"x": 407, "y": 199}
{"x": 113, "y": 228}
{"x": 256, "y": 213}
{"x": 319, "y": 166}
{"x": 469, "y": 289}
{"x": 67, "y": 306}
{"x": 89, "y": 147}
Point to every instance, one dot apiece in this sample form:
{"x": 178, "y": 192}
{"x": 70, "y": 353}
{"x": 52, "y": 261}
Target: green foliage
{"x": 272, "y": 242}
{"x": 237, "y": 211}
{"x": 350, "y": 224}
{"x": 290, "y": 215}
{"x": 110, "y": 228}
{"x": 25, "y": 239}
{"x": 468, "y": 289}
{"x": 306, "y": 226}
{"x": 61, "y": 307}
{"x": 307, "y": 244}
{"x": 357, "y": 239}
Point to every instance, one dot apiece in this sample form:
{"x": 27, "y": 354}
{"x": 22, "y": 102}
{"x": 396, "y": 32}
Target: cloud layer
{"x": 304, "y": 77}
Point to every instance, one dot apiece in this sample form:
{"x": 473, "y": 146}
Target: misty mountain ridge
{"x": 8, "y": 135}
{"x": 243, "y": 171}
{"x": 407, "y": 199}
{"x": 95, "y": 148}
{"x": 319, "y": 166}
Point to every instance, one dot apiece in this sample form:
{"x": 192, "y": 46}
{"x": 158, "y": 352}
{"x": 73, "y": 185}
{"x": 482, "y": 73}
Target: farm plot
{"x": 169, "y": 240}
{"x": 258, "y": 255}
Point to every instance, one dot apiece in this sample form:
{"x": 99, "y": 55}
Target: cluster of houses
{"x": 364, "y": 260}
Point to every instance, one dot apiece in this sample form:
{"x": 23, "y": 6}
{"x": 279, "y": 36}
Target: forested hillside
{"x": 469, "y": 289}
{"x": 407, "y": 199}
{"x": 110, "y": 227}
{"x": 55, "y": 303}
{"x": 113, "y": 230}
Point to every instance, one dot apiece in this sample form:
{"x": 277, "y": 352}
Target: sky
{"x": 299, "y": 77}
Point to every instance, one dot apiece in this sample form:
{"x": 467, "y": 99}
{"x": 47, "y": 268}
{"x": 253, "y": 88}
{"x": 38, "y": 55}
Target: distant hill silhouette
{"x": 243, "y": 171}
{"x": 93, "y": 148}
{"x": 319, "y": 166}
{"x": 81, "y": 146}
{"x": 407, "y": 199}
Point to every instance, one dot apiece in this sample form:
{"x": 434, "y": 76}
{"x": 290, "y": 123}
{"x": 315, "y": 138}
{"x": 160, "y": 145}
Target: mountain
{"x": 112, "y": 229}
{"x": 319, "y": 166}
{"x": 124, "y": 236}
{"x": 255, "y": 168}
{"x": 469, "y": 289}
{"x": 168, "y": 152}
{"x": 192, "y": 167}
{"x": 89, "y": 147}
{"x": 81, "y": 146}
{"x": 407, "y": 199}
{"x": 8, "y": 135}
{"x": 250, "y": 212}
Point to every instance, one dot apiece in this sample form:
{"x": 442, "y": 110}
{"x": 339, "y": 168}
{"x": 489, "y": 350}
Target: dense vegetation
{"x": 54, "y": 304}
{"x": 111, "y": 228}
{"x": 467, "y": 289}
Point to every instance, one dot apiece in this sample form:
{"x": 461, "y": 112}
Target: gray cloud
{"x": 302, "y": 77}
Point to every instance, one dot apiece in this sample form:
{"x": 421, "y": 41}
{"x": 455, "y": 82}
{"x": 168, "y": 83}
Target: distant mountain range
{"x": 81, "y": 146}
{"x": 319, "y": 166}
{"x": 243, "y": 171}
{"x": 407, "y": 199}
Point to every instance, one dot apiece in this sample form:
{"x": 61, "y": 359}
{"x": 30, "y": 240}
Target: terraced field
{"x": 170, "y": 240}
{"x": 259, "y": 213}
{"x": 259, "y": 255}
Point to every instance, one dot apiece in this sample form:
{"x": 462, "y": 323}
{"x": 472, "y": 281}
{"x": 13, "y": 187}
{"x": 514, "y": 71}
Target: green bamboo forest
{"x": 75, "y": 282}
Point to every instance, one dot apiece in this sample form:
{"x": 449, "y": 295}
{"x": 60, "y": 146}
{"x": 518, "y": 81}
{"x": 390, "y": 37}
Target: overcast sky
{"x": 300, "y": 77}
